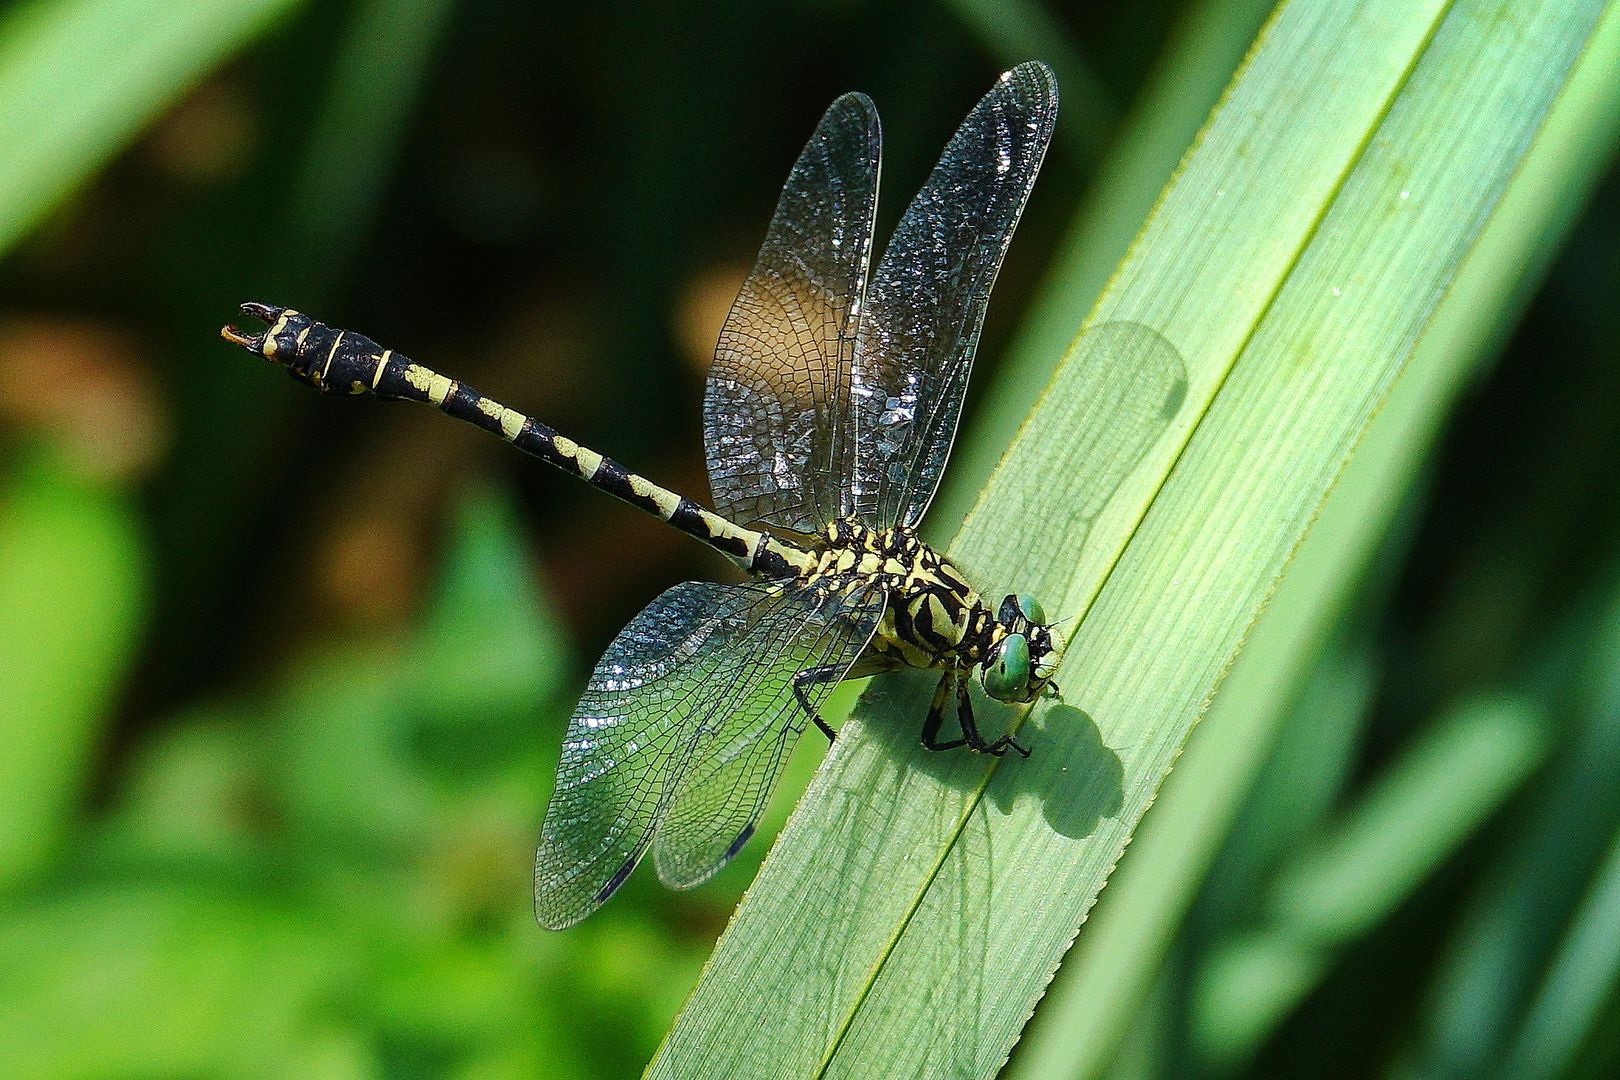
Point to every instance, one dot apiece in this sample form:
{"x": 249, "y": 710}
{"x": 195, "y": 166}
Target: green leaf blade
{"x": 73, "y": 591}
{"x": 906, "y": 922}
{"x": 1100, "y": 993}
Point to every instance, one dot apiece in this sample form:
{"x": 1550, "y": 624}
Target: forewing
{"x": 923, "y": 313}
{"x": 631, "y": 738}
{"x": 779, "y": 386}
{"x": 736, "y": 764}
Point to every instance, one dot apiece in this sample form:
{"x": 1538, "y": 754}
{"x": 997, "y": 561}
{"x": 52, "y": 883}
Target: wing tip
{"x": 559, "y": 913}
{"x": 1035, "y": 74}
{"x": 681, "y": 877}
{"x": 856, "y": 109}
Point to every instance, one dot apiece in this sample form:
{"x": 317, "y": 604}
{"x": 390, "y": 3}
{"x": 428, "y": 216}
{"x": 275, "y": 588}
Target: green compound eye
{"x": 1006, "y": 676}
{"x": 1031, "y": 609}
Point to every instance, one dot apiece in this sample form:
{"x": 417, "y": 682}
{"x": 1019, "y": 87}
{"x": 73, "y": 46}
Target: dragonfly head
{"x": 1018, "y": 666}
{"x": 293, "y": 340}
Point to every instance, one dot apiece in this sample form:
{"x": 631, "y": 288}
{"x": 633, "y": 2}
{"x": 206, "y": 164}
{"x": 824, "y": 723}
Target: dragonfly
{"x": 829, "y": 412}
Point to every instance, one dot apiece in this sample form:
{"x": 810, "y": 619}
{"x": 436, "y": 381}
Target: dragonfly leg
{"x": 970, "y": 729}
{"x": 951, "y": 680}
{"x": 808, "y": 677}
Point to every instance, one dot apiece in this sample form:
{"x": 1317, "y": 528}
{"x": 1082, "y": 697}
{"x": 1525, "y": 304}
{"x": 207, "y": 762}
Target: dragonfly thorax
{"x": 934, "y": 618}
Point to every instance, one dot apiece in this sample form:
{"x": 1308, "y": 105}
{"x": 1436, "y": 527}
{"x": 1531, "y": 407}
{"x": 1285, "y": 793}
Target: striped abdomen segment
{"x": 341, "y": 361}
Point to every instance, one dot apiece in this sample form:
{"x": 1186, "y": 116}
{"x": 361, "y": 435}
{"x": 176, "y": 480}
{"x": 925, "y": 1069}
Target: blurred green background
{"x": 282, "y": 679}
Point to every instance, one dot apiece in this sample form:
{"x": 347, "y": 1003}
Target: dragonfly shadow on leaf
{"x": 1123, "y": 385}
{"x": 1078, "y": 779}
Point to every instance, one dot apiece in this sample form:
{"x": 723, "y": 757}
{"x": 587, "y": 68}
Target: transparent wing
{"x": 915, "y": 343}
{"x": 779, "y": 386}
{"x": 704, "y": 669}
{"x": 735, "y": 767}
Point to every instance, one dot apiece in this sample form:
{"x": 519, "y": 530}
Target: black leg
{"x": 936, "y": 713}
{"x": 975, "y": 741}
{"x": 824, "y": 673}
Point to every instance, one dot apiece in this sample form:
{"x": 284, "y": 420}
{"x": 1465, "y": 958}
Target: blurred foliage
{"x": 282, "y": 683}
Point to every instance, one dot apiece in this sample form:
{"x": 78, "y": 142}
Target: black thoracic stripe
{"x": 944, "y": 574}
{"x": 949, "y": 598}
{"x": 903, "y": 623}
{"x": 950, "y": 603}
{"x": 923, "y": 624}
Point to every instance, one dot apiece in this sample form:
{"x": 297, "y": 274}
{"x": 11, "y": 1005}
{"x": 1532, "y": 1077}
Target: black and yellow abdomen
{"x": 344, "y": 362}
